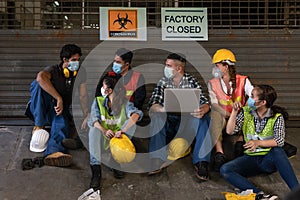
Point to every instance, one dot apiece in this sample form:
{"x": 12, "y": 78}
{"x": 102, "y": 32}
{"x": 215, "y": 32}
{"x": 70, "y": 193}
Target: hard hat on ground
{"x": 178, "y": 148}
{"x": 224, "y": 55}
{"x": 122, "y": 149}
{"x": 39, "y": 140}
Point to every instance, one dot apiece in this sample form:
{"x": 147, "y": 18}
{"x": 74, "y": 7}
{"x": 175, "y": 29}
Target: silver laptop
{"x": 181, "y": 100}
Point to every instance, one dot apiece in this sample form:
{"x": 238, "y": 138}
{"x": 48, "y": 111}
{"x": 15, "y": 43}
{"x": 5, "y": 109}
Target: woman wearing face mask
{"x": 263, "y": 127}
{"x": 225, "y": 88}
{"x": 111, "y": 115}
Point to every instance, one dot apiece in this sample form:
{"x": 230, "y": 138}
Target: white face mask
{"x": 103, "y": 92}
{"x": 168, "y": 71}
{"x": 217, "y": 73}
{"x": 73, "y": 65}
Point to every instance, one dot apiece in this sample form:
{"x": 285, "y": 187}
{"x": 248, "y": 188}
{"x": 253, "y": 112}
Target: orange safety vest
{"x": 132, "y": 85}
{"x": 225, "y": 100}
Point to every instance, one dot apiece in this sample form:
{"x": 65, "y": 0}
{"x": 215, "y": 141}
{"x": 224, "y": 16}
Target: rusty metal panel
{"x": 268, "y": 57}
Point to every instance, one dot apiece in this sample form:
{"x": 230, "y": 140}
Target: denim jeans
{"x": 41, "y": 110}
{"x": 236, "y": 171}
{"x": 96, "y": 141}
{"x": 164, "y": 127}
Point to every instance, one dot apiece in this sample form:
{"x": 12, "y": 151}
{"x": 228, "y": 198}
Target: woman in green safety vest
{"x": 263, "y": 126}
{"x": 111, "y": 115}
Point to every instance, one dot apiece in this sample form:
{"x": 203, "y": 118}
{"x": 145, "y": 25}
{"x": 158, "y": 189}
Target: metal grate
{"x": 83, "y": 14}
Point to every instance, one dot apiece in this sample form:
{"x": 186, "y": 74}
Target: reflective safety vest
{"x": 108, "y": 121}
{"x": 224, "y": 99}
{"x": 132, "y": 85}
{"x": 250, "y": 133}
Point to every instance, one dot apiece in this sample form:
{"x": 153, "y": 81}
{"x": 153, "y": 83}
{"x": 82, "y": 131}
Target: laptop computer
{"x": 181, "y": 100}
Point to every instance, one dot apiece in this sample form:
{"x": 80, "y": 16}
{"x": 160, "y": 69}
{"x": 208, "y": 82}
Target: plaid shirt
{"x": 187, "y": 81}
{"x": 278, "y": 130}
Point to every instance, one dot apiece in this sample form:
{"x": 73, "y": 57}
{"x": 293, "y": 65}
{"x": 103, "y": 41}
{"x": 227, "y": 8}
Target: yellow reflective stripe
{"x": 129, "y": 92}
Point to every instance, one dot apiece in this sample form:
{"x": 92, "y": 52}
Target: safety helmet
{"x": 122, "y": 149}
{"x": 39, "y": 140}
{"x": 224, "y": 55}
{"x": 178, "y": 148}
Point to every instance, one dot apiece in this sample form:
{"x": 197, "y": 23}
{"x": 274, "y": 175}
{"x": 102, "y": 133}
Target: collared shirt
{"x": 95, "y": 112}
{"x": 187, "y": 81}
{"x": 278, "y": 130}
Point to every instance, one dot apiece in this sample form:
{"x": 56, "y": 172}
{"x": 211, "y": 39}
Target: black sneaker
{"x": 262, "y": 196}
{"x": 118, "y": 174}
{"x": 202, "y": 171}
{"x": 219, "y": 160}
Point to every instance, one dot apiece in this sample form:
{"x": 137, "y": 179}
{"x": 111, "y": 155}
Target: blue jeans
{"x": 164, "y": 127}
{"x": 41, "y": 110}
{"x": 236, "y": 171}
{"x": 96, "y": 141}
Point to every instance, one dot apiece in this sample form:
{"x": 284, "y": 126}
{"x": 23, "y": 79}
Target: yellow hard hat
{"x": 178, "y": 148}
{"x": 223, "y": 55}
{"x": 122, "y": 149}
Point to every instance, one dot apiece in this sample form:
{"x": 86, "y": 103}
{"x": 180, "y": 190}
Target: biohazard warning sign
{"x": 122, "y": 23}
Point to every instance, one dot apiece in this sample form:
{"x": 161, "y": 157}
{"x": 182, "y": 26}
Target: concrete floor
{"x": 176, "y": 182}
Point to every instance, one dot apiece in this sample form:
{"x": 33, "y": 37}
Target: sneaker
{"x": 202, "y": 170}
{"x": 219, "y": 160}
{"x": 73, "y": 144}
{"x": 118, "y": 174}
{"x": 58, "y": 159}
{"x": 262, "y": 196}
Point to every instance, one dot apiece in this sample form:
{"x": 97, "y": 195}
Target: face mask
{"x": 168, "y": 71}
{"x": 251, "y": 103}
{"x": 103, "y": 92}
{"x": 117, "y": 68}
{"x": 217, "y": 73}
{"x": 73, "y": 65}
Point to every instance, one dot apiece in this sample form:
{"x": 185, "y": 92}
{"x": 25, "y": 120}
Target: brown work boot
{"x": 58, "y": 159}
{"x": 35, "y": 128}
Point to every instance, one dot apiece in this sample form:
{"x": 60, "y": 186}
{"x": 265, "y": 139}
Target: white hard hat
{"x": 39, "y": 140}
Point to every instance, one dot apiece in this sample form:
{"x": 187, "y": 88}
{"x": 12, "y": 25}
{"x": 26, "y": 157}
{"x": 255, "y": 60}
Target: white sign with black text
{"x": 184, "y": 24}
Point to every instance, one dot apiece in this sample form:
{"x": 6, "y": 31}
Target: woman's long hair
{"x": 120, "y": 92}
{"x": 232, "y": 74}
{"x": 268, "y": 93}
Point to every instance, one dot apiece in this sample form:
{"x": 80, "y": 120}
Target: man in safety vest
{"x": 133, "y": 81}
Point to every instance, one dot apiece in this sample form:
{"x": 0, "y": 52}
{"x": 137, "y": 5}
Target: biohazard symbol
{"x": 122, "y": 21}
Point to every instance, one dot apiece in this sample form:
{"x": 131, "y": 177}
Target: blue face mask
{"x": 73, "y": 65}
{"x": 251, "y": 103}
{"x": 217, "y": 73}
{"x": 117, "y": 68}
{"x": 168, "y": 71}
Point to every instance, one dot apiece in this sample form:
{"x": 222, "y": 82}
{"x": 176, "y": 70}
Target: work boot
{"x": 35, "y": 128}
{"x": 96, "y": 177}
{"x": 73, "y": 144}
{"x": 58, "y": 159}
